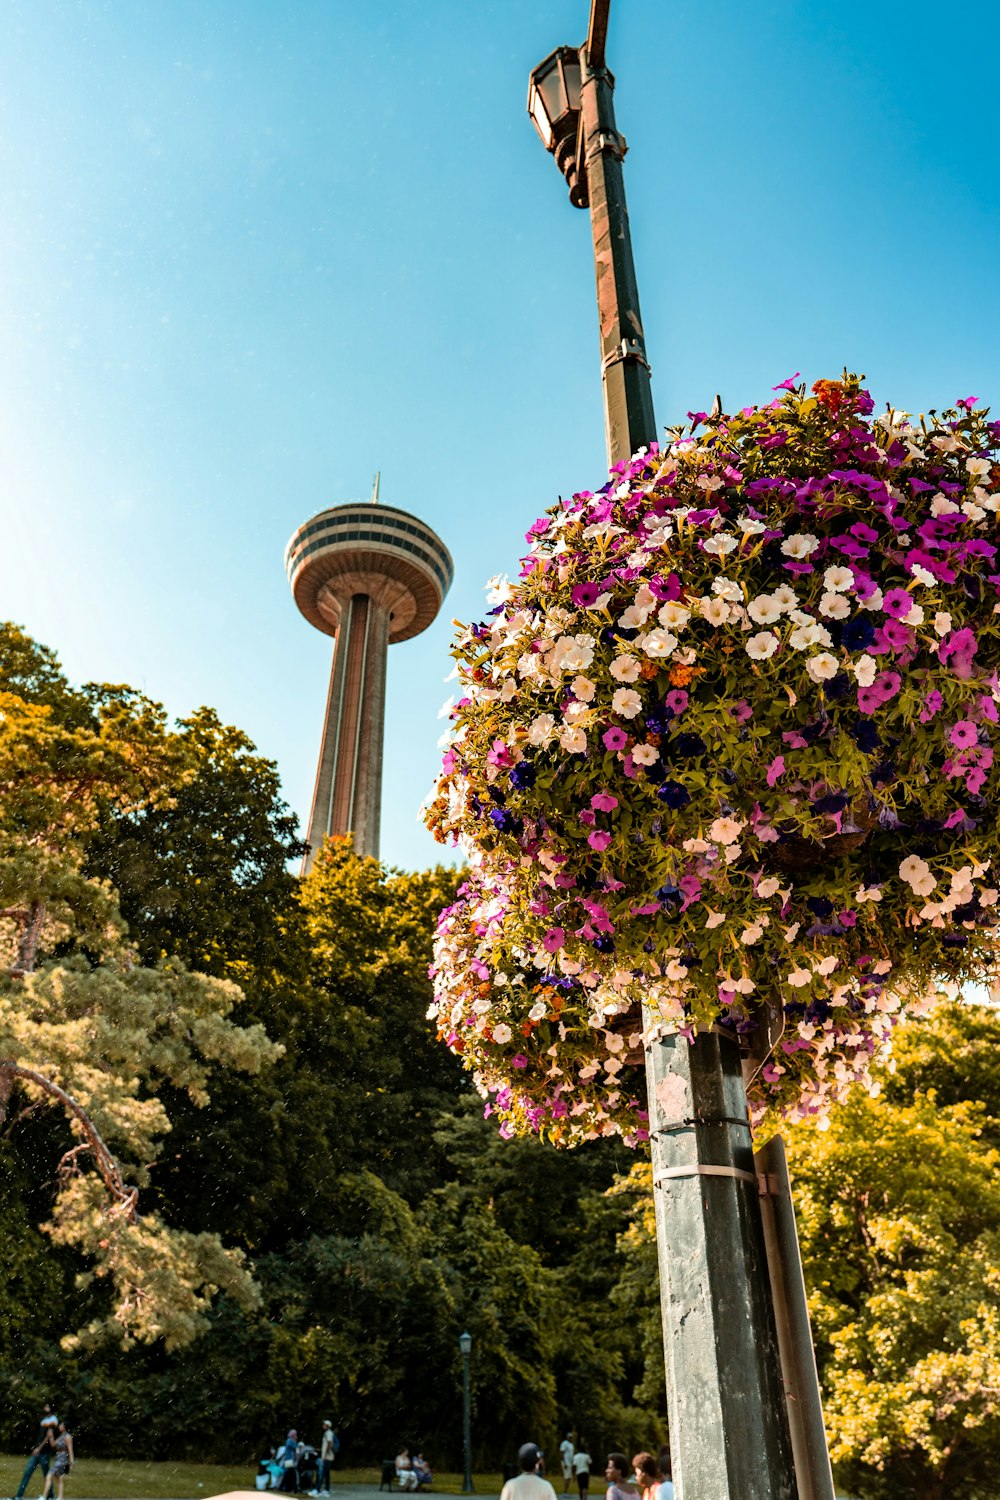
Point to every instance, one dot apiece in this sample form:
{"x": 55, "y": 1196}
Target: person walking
{"x": 566, "y": 1459}
{"x": 620, "y": 1487}
{"x": 581, "y": 1468}
{"x": 62, "y": 1462}
{"x": 646, "y": 1475}
{"x": 529, "y": 1484}
{"x": 665, "y": 1488}
{"x": 41, "y": 1454}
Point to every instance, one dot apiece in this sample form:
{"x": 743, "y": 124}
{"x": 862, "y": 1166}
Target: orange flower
{"x": 681, "y": 676}
{"x": 648, "y": 670}
{"x": 830, "y": 393}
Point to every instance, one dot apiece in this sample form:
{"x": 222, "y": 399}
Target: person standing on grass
{"x": 62, "y": 1461}
{"x": 581, "y": 1468}
{"x": 529, "y": 1484}
{"x": 566, "y": 1459}
{"x": 41, "y": 1454}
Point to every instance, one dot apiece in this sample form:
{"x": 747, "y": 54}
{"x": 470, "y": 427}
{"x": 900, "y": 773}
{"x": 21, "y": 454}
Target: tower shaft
{"x": 348, "y": 792}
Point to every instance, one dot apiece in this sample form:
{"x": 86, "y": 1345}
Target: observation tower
{"x": 367, "y": 574}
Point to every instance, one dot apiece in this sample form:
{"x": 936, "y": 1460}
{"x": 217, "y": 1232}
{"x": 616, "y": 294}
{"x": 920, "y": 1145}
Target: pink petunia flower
{"x": 604, "y": 802}
{"x": 677, "y": 700}
{"x": 933, "y": 704}
{"x": 599, "y": 839}
{"x": 554, "y": 939}
{"x": 776, "y": 769}
{"x": 897, "y": 604}
{"x": 963, "y": 734}
{"x": 614, "y": 738}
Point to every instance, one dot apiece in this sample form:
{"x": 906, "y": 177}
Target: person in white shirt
{"x": 581, "y": 1468}
{"x": 529, "y": 1484}
{"x": 566, "y": 1456}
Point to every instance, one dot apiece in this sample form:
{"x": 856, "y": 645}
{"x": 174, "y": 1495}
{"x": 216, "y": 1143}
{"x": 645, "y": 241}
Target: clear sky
{"x": 253, "y": 251}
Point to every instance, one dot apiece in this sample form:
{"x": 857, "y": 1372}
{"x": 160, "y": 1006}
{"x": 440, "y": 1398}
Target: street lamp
{"x": 571, "y": 104}
{"x": 465, "y": 1344}
{"x": 735, "y": 1432}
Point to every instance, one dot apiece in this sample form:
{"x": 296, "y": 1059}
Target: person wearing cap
{"x": 529, "y": 1484}
{"x": 566, "y": 1449}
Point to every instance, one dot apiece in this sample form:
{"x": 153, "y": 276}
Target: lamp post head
{"x": 465, "y": 1343}
{"x": 554, "y": 107}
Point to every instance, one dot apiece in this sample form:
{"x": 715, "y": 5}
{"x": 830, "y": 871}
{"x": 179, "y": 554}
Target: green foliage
{"x": 899, "y": 1218}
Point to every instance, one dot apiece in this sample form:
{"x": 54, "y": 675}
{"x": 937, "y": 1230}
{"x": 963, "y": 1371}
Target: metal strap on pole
{"x": 700, "y": 1170}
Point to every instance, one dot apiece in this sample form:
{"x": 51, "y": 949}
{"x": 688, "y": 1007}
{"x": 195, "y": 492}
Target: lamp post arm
{"x": 628, "y": 399}
{"x": 597, "y": 31}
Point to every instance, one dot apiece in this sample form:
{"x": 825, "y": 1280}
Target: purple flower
{"x": 554, "y": 939}
{"x": 787, "y": 385}
{"x": 967, "y": 401}
{"x": 585, "y": 595}
{"x": 897, "y": 604}
{"x": 933, "y": 704}
{"x": 677, "y": 700}
{"x": 519, "y": 1060}
{"x": 957, "y": 650}
{"x": 614, "y": 738}
{"x": 604, "y": 802}
{"x": 963, "y": 734}
{"x": 599, "y": 839}
{"x": 775, "y": 770}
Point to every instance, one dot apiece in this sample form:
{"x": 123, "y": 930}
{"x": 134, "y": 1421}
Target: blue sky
{"x": 252, "y": 252}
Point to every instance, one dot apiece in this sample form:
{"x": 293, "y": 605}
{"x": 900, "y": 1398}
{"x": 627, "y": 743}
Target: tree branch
{"x": 27, "y": 947}
{"x": 107, "y": 1164}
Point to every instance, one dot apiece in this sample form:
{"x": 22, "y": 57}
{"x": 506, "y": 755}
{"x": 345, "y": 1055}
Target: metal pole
{"x": 728, "y": 1419}
{"x": 468, "y": 1488}
{"x": 628, "y": 398}
{"x": 791, "y": 1311}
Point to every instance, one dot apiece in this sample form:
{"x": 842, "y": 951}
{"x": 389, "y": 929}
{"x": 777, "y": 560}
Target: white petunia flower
{"x": 764, "y": 610}
{"x": 625, "y": 669}
{"x": 727, "y": 588}
{"x": 762, "y": 645}
{"x": 768, "y": 888}
{"x": 659, "y": 643}
{"x": 942, "y": 622}
{"x": 626, "y": 702}
{"x": 799, "y": 977}
{"x": 715, "y": 611}
{"x": 645, "y": 755}
{"x": 750, "y": 527}
{"x": 865, "y": 670}
{"x": 868, "y": 893}
{"x": 834, "y": 606}
{"x": 725, "y": 830}
{"x": 573, "y": 739}
{"x": 541, "y": 730}
{"x": 917, "y": 874}
{"x": 582, "y": 688}
{"x": 915, "y": 617}
{"x": 720, "y": 544}
{"x": 838, "y": 579}
{"x": 502, "y": 1033}
{"x": 673, "y": 616}
{"x": 821, "y": 668}
{"x": 785, "y": 596}
{"x": 799, "y": 546}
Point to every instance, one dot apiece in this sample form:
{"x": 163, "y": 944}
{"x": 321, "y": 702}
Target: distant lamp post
{"x": 465, "y": 1344}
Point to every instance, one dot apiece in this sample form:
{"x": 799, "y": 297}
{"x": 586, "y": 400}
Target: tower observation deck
{"x": 367, "y": 574}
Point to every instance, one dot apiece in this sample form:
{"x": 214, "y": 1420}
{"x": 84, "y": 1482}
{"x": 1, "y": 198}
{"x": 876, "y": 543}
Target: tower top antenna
{"x": 375, "y": 485}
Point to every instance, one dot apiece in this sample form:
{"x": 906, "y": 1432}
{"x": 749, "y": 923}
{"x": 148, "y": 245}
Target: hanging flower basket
{"x": 729, "y": 742}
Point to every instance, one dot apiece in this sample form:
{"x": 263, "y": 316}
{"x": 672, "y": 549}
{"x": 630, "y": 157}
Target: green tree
{"x": 899, "y": 1221}
{"x": 85, "y": 1030}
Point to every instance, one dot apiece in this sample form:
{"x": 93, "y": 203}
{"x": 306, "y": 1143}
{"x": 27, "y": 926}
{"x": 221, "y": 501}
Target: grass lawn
{"x": 132, "y": 1479}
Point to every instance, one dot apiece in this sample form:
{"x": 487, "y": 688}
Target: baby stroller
{"x": 268, "y": 1476}
{"x": 308, "y": 1467}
